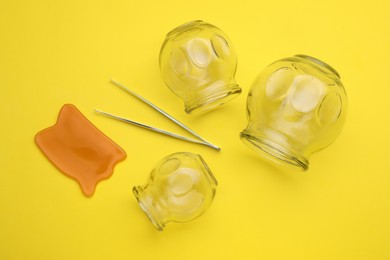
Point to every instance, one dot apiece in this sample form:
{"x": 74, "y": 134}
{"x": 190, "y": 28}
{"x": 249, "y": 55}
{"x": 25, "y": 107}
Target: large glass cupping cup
{"x": 295, "y": 107}
{"x": 198, "y": 64}
{"x": 180, "y": 188}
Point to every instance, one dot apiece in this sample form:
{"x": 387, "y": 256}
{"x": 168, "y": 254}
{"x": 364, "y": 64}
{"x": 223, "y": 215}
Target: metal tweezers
{"x": 199, "y": 141}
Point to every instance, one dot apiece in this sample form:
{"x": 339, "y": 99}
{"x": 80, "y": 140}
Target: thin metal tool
{"x": 155, "y": 129}
{"x": 163, "y": 113}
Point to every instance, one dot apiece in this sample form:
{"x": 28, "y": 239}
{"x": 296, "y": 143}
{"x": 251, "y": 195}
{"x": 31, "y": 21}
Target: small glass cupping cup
{"x": 198, "y": 64}
{"x": 180, "y": 188}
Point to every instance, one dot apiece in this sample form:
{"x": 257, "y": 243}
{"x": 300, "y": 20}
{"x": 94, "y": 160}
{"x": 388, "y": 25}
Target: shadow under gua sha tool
{"x": 200, "y": 140}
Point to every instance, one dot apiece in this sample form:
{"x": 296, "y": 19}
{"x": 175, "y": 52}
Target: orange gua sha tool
{"x": 79, "y": 150}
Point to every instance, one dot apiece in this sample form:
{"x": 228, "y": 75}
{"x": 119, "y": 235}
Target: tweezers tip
{"x": 216, "y": 148}
{"x": 99, "y": 111}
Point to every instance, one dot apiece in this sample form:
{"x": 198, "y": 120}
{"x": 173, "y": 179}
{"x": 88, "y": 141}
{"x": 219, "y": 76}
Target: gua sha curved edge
{"x": 79, "y": 150}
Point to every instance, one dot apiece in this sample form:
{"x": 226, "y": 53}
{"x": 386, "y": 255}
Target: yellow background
{"x": 57, "y": 52}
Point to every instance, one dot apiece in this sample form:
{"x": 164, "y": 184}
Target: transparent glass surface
{"x": 295, "y": 107}
{"x": 180, "y": 188}
{"x": 198, "y": 64}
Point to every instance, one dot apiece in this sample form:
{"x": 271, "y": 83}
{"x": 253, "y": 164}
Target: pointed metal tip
{"x": 101, "y": 112}
{"x": 114, "y": 81}
{"x": 214, "y": 147}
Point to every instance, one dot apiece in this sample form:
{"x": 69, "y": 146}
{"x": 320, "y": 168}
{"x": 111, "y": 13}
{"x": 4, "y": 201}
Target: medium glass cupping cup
{"x": 180, "y": 188}
{"x": 198, "y": 64}
{"x": 295, "y": 107}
